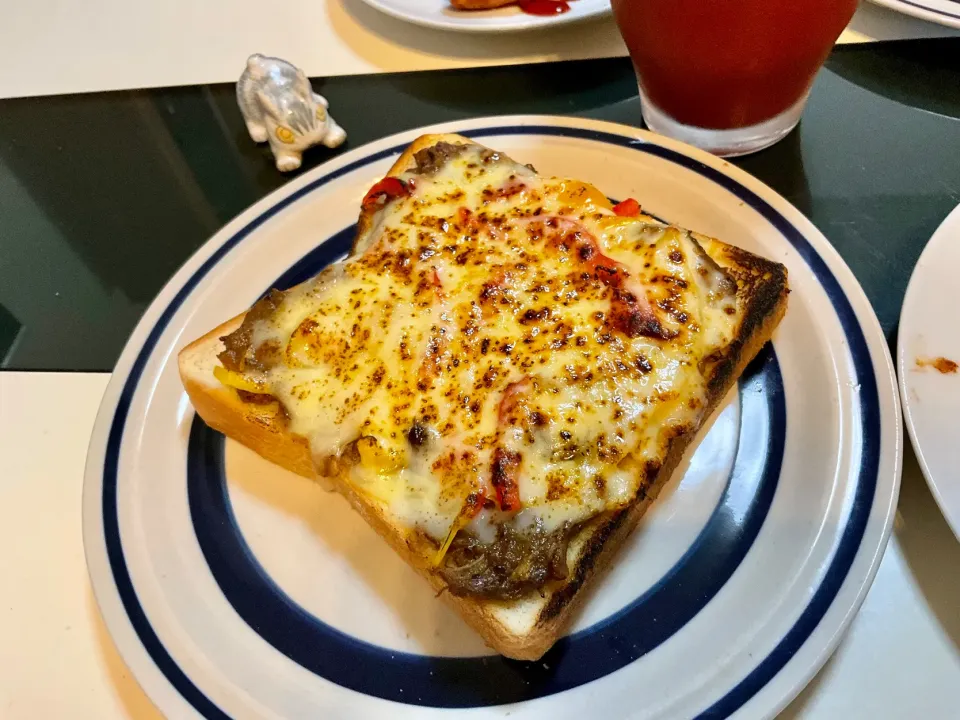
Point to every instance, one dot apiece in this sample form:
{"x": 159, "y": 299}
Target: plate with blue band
{"x": 235, "y": 589}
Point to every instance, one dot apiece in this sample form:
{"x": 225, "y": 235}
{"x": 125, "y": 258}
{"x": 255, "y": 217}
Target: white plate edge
{"x": 939, "y": 236}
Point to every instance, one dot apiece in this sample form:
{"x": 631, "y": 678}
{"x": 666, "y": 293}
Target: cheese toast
{"x": 500, "y": 378}
{"x": 480, "y": 4}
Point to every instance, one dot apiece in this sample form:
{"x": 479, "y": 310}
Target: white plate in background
{"x": 439, "y": 14}
{"x": 928, "y": 354}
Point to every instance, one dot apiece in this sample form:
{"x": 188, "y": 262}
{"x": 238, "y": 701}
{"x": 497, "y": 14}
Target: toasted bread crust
{"x": 763, "y": 287}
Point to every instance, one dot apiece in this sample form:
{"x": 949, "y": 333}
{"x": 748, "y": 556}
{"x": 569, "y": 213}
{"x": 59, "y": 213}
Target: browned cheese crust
{"x": 762, "y": 286}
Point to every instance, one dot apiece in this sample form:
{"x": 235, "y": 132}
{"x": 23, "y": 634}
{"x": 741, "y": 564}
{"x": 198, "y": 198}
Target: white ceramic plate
{"x": 943, "y": 12}
{"x": 929, "y": 338}
{"x": 234, "y": 589}
{"x": 439, "y": 14}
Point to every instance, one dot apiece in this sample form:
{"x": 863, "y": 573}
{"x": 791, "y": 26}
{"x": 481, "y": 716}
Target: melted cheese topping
{"x": 502, "y": 333}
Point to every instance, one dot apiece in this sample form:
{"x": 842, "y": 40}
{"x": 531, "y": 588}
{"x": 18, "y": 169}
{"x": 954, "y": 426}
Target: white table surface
{"x": 64, "y": 46}
{"x": 900, "y": 659}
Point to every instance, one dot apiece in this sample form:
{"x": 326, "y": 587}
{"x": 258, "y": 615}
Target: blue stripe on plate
{"x": 869, "y": 396}
{"x": 469, "y": 682}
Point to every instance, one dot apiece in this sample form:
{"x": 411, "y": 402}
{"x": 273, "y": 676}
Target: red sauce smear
{"x": 942, "y": 365}
{"x": 544, "y": 7}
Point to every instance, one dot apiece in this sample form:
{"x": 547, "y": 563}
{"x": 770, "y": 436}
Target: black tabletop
{"x": 103, "y": 196}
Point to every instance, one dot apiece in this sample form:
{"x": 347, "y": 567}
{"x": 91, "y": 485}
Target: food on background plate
{"x": 944, "y": 366}
{"x": 500, "y": 378}
{"x": 531, "y": 7}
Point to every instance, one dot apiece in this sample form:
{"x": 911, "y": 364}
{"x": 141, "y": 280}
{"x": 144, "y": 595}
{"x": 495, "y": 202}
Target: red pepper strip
{"x": 432, "y": 362}
{"x": 574, "y": 239}
{"x": 511, "y": 394}
{"x": 630, "y": 312}
{"x": 504, "y": 478}
{"x": 383, "y": 192}
{"x": 475, "y": 502}
{"x": 506, "y": 463}
{"x": 468, "y": 222}
{"x": 627, "y": 208}
{"x": 634, "y": 319}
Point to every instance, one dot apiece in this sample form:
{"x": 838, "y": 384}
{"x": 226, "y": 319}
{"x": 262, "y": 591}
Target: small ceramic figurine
{"x": 279, "y": 106}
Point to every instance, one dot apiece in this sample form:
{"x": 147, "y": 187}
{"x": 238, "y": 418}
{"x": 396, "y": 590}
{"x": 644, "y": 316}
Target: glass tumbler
{"x": 728, "y": 76}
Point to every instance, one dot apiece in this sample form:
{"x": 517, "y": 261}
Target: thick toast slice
{"x": 527, "y": 627}
{"x": 480, "y": 4}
